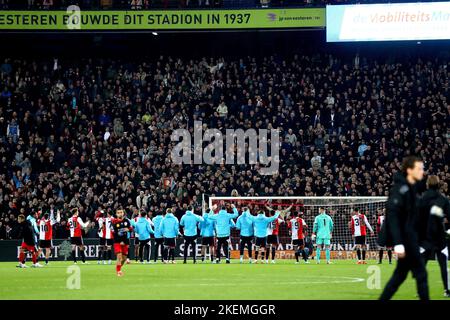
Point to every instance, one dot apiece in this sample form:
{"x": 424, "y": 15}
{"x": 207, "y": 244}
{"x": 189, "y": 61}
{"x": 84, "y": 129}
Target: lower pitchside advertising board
{"x": 62, "y": 250}
{"x": 163, "y": 20}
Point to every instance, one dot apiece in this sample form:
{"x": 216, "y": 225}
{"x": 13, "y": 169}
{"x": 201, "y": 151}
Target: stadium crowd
{"x": 96, "y": 133}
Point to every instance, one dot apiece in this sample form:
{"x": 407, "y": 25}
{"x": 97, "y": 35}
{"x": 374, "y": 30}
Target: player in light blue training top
{"x": 322, "y": 229}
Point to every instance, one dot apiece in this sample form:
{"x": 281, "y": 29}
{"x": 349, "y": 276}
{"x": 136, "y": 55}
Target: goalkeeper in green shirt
{"x": 323, "y": 226}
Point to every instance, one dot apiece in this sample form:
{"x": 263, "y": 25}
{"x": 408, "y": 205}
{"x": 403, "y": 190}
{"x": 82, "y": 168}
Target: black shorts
{"x": 159, "y": 241}
{"x": 298, "y": 242}
{"x": 106, "y": 242}
{"x": 136, "y": 241}
{"x": 208, "y": 241}
{"x": 261, "y": 242}
{"x": 190, "y": 238}
{"x": 44, "y": 244}
{"x": 78, "y": 241}
{"x": 360, "y": 240}
{"x": 170, "y": 242}
{"x": 144, "y": 242}
{"x": 246, "y": 239}
{"x": 272, "y": 239}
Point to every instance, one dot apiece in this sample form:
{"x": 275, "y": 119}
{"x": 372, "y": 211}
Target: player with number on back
{"x": 260, "y": 221}
{"x": 272, "y": 233}
{"x": 297, "y": 227}
{"x": 121, "y": 226}
{"x": 46, "y": 232}
{"x": 75, "y": 225}
{"x": 358, "y": 226}
{"x": 322, "y": 230}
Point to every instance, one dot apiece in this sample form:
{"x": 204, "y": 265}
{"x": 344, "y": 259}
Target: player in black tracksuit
{"x": 401, "y": 229}
{"x": 434, "y": 212}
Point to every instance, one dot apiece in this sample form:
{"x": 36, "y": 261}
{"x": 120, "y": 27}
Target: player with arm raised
{"x": 121, "y": 226}
{"x": 46, "y": 232}
{"x": 75, "y": 225}
{"x": 260, "y": 221}
{"x": 223, "y": 227}
{"x": 358, "y": 226}
{"x": 297, "y": 227}
{"x": 245, "y": 227}
{"x": 272, "y": 233}
{"x": 322, "y": 230}
{"x": 189, "y": 221}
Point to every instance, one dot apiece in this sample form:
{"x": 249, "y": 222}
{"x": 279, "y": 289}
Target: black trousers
{"x": 442, "y": 260}
{"x": 189, "y": 240}
{"x": 222, "y": 242}
{"x": 245, "y": 241}
{"x": 411, "y": 262}
{"x": 144, "y": 246}
{"x": 158, "y": 244}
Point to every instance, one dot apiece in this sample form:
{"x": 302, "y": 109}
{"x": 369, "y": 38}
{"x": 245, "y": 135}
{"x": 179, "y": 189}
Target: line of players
{"x": 214, "y": 229}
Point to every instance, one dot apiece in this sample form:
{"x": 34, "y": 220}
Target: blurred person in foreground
{"x": 402, "y": 229}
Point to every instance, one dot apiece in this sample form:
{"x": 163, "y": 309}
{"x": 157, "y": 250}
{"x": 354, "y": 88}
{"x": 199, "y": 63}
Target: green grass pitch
{"x": 283, "y": 280}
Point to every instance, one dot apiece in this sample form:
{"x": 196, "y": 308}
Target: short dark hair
{"x": 224, "y": 208}
{"x": 409, "y": 162}
{"x": 190, "y": 208}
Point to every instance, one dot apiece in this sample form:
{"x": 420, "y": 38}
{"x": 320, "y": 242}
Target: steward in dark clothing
{"x": 434, "y": 212}
{"x": 401, "y": 231}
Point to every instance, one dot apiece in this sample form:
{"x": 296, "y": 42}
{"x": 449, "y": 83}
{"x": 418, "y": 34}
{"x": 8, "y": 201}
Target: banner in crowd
{"x": 162, "y": 20}
{"x": 395, "y": 21}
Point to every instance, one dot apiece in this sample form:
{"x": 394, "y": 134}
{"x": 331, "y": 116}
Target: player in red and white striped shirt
{"x": 297, "y": 227}
{"x": 272, "y": 233}
{"x": 75, "y": 225}
{"x": 105, "y": 233}
{"x": 358, "y": 226}
{"x": 380, "y": 221}
{"x": 46, "y": 232}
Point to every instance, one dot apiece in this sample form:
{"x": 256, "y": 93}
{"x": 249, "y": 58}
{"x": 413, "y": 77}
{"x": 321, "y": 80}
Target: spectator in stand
{"x": 343, "y": 130}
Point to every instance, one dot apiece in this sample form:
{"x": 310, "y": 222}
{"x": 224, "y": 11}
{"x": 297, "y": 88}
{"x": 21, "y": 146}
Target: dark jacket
{"x": 401, "y": 225}
{"x": 433, "y": 208}
{"x": 26, "y": 232}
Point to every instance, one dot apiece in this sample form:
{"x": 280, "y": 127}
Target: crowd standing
{"x": 95, "y": 133}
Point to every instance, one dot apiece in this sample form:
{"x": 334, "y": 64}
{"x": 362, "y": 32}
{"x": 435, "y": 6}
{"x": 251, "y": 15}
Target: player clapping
{"x": 46, "y": 232}
{"x": 75, "y": 225}
{"x": 358, "y": 225}
{"x": 297, "y": 228}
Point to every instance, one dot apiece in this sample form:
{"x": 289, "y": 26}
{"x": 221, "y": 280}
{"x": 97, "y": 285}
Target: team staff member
{"x": 159, "y": 240}
{"x": 189, "y": 221}
{"x": 245, "y": 227}
{"x": 434, "y": 211}
{"x": 223, "y": 227}
{"x": 401, "y": 229}
{"x": 207, "y": 234}
{"x": 170, "y": 228}
{"x": 143, "y": 229}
